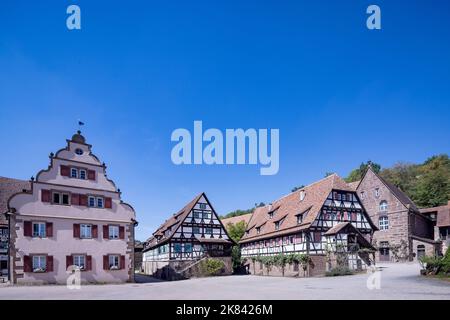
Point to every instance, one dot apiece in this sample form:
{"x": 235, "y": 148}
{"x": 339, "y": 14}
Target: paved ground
{"x": 398, "y": 281}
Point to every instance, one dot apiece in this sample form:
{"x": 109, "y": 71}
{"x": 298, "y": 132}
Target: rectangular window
{"x": 258, "y": 230}
{"x": 299, "y": 218}
{"x": 85, "y": 231}
{"x": 39, "y": 263}
{"x": 362, "y": 195}
{"x": 65, "y": 198}
{"x": 202, "y": 205}
{"x": 114, "y": 262}
{"x": 188, "y": 247}
{"x": 56, "y": 198}
{"x": 277, "y": 225}
{"x": 206, "y": 216}
{"x": 114, "y": 232}
{"x": 196, "y": 230}
{"x": 79, "y": 261}
{"x": 73, "y": 173}
{"x": 208, "y": 230}
{"x": 83, "y": 174}
{"x": 100, "y": 203}
{"x": 91, "y": 201}
{"x": 177, "y": 247}
{"x": 196, "y": 214}
{"x": 39, "y": 229}
{"x": 383, "y": 223}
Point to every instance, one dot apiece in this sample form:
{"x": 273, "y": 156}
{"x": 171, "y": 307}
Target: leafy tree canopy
{"x": 356, "y": 174}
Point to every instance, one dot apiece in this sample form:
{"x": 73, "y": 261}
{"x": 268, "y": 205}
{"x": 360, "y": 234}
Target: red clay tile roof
{"x": 354, "y": 185}
{"x": 234, "y": 220}
{"x": 172, "y": 223}
{"x": 8, "y": 187}
{"x": 290, "y": 206}
{"x": 337, "y": 228}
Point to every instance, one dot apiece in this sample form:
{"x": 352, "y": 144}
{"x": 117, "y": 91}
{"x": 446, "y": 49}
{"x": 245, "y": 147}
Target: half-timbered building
{"x": 189, "y": 235}
{"x": 323, "y": 217}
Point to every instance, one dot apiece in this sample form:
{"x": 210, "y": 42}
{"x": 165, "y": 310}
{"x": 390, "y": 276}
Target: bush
{"x": 212, "y": 267}
{"x": 436, "y": 265}
{"x": 339, "y": 271}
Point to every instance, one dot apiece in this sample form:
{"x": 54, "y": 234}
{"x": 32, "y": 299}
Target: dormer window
{"x": 363, "y": 195}
{"x": 300, "y": 218}
{"x": 277, "y": 225}
{"x": 302, "y": 195}
{"x": 271, "y": 215}
{"x": 258, "y": 230}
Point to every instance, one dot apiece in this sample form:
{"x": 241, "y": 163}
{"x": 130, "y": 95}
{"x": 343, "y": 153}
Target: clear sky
{"x": 339, "y": 93}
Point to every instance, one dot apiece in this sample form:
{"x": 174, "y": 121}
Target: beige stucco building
{"x": 72, "y": 215}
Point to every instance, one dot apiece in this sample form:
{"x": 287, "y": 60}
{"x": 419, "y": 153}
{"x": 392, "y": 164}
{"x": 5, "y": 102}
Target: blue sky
{"x": 339, "y": 93}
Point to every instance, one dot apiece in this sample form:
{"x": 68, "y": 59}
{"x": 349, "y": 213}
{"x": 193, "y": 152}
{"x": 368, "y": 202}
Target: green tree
{"x": 236, "y": 232}
{"x": 297, "y": 188}
{"x": 356, "y": 174}
{"x": 433, "y": 182}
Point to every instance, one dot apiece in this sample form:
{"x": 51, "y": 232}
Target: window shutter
{"x": 94, "y": 231}
{"x": 65, "y": 171}
{"x": 91, "y": 174}
{"x": 69, "y": 261}
{"x": 122, "y": 262}
{"x": 76, "y": 230}
{"x": 45, "y": 195}
{"x": 88, "y": 263}
{"x": 27, "y": 229}
{"x": 49, "y": 263}
{"x": 105, "y": 232}
{"x": 49, "y": 229}
{"x": 75, "y": 199}
{"x": 105, "y": 263}
{"x": 121, "y": 232}
{"x": 83, "y": 200}
{"x": 108, "y": 203}
{"x": 27, "y": 265}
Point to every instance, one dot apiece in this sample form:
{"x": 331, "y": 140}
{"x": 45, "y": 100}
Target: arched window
{"x": 383, "y": 206}
{"x": 383, "y": 223}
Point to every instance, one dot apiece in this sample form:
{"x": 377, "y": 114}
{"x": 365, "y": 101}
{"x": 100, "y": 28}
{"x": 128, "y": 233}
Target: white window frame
{"x": 89, "y": 201}
{"x": 79, "y": 260}
{"x": 41, "y": 232}
{"x": 39, "y": 263}
{"x": 82, "y": 174}
{"x": 383, "y": 206}
{"x": 383, "y": 223}
{"x": 113, "y": 232}
{"x": 72, "y": 171}
{"x": 100, "y": 202}
{"x": 114, "y": 262}
{"x": 61, "y": 195}
{"x": 83, "y": 231}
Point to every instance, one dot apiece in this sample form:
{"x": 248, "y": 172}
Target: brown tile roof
{"x": 442, "y": 212}
{"x": 337, "y": 228}
{"x": 234, "y": 220}
{"x": 354, "y": 185}
{"x": 8, "y": 187}
{"x": 290, "y": 206}
{"x": 173, "y": 223}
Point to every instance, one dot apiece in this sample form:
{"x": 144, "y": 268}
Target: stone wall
{"x": 397, "y": 213}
